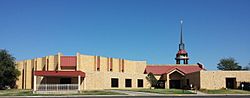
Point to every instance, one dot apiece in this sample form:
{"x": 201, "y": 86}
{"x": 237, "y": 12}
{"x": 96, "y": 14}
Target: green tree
{"x": 247, "y": 67}
{"x": 8, "y": 72}
{"x": 228, "y": 64}
{"x": 152, "y": 80}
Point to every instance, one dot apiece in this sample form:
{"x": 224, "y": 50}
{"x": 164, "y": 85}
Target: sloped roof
{"x": 182, "y": 52}
{"x": 161, "y": 69}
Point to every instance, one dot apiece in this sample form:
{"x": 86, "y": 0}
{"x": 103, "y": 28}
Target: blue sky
{"x": 131, "y": 29}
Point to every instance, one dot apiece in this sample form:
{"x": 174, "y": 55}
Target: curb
{"x": 169, "y": 95}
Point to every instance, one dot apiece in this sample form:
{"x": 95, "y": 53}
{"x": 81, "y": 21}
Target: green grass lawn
{"x": 226, "y": 91}
{"x": 162, "y": 91}
{"x": 14, "y": 92}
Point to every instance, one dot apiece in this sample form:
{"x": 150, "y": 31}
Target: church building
{"x": 87, "y": 72}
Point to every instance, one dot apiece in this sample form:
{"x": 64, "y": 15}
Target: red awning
{"x": 60, "y": 73}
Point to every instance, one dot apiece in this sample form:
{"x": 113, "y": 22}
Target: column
{"x": 167, "y": 82}
{"x": 34, "y": 84}
{"x": 178, "y": 61}
{"x": 59, "y": 61}
{"x": 77, "y": 61}
{"x": 79, "y": 83}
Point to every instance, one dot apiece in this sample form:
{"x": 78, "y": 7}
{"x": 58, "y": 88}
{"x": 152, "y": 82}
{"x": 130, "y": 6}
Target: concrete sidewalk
{"x": 142, "y": 94}
{"x": 134, "y": 93}
{"x": 198, "y": 92}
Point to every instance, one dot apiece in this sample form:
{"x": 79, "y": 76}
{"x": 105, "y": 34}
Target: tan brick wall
{"x": 102, "y": 80}
{"x": 27, "y": 66}
{"x": 39, "y": 64}
{"x": 94, "y": 79}
{"x": 103, "y": 64}
{"x": 28, "y": 71}
{"x": 86, "y": 63}
{"x": 217, "y": 79}
{"x": 194, "y": 79}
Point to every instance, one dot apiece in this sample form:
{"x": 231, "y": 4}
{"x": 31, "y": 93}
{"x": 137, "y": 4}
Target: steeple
{"x": 181, "y": 54}
{"x": 181, "y": 44}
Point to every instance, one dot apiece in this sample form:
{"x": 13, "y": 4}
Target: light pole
{"x": 242, "y": 86}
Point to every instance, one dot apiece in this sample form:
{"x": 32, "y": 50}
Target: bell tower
{"x": 181, "y": 55}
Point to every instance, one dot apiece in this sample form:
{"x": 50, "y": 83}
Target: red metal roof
{"x": 60, "y": 73}
{"x": 182, "y": 52}
{"x": 67, "y": 61}
{"x": 168, "y": 68}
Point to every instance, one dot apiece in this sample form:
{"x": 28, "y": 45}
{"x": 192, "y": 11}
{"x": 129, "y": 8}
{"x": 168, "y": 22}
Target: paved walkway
{"x": 134, "y": 93}
{"x": 197, "y": 92}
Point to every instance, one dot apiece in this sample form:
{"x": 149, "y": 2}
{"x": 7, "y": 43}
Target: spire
{"x": 182, "y": 54}
{"x": 181, "y": 33}
{"x": 181, "y": 45}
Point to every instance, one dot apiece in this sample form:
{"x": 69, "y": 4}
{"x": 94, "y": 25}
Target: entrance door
{"x": 65, "y": 81}
{"x": 230, "y": 83}
{"x": 175, "y": 84}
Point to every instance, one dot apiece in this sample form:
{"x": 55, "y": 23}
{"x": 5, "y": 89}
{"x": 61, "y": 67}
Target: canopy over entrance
{"x": 60, "y": 73}
{"x": 65, "y": 84}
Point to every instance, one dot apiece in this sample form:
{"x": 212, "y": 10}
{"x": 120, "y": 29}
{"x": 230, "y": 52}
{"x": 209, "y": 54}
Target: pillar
{"x": 167, "y": 82}
{"x": 34, "y": 84}
{"x": 177, "y": 61}
{"x": 77, "y": 61}
{"x": 59, "y": 61}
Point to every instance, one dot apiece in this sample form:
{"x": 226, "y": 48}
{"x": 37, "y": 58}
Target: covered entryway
{"x": 231, "y": 83}
{"x": 172, "y": 79}
{"x": 58, "y": 81}
{"x": 176, "y": 79}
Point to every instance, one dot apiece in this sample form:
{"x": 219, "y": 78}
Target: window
{"x": 140, "y": 83}
{"x": 128, "y": 83}
{"x": 114, "y": 82}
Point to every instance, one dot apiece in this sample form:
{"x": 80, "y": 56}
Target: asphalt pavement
{"x": 118, "y": 96}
